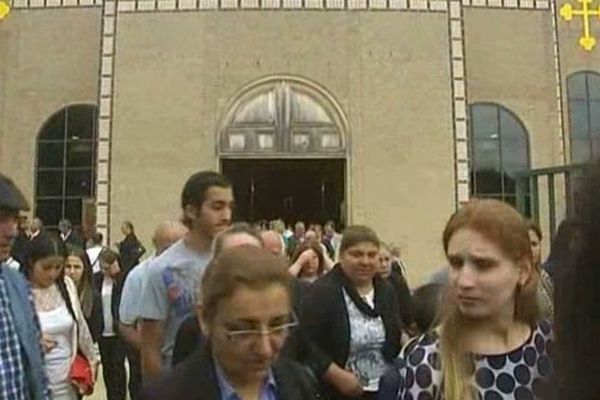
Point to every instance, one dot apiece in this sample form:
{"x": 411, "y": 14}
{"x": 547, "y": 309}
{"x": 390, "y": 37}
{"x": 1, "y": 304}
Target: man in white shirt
{"x": 94, "y": 251}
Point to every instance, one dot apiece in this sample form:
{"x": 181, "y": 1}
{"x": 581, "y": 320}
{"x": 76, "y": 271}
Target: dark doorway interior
{"x": 293, "y": 190}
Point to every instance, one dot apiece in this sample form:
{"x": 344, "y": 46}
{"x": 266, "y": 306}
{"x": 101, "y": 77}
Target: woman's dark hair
{"x": 314, "y": 246}
{"x": 85, "y": 287}
{"x": 563, "y": 245}
{"x": 108, "y": 256}
{"x": 44, "y": 247}
{"x": 194, "y": 191}
{"x": 577, "y": 299}
{"x": 356, "y": 234}
{"x": 426, "y": 305}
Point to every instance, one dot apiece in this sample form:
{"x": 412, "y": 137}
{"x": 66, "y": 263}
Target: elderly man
{"x": 273, "y": 242}
{"x": 22, "y": 375}
{"x": 165, "y": 235}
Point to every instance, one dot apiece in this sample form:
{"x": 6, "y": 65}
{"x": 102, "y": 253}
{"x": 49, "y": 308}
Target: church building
{"x": 390, "y": 113}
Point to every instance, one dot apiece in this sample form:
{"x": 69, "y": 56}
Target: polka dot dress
{"x": 520, "y": 374}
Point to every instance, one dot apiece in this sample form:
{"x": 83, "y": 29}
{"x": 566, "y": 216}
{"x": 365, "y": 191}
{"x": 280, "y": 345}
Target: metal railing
{"x": 528, "y": 186}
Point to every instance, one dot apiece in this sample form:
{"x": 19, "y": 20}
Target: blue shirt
{"x": 267, "y": 392}
{"x": 129, "y": 308}
{"x": 13, "y": 383}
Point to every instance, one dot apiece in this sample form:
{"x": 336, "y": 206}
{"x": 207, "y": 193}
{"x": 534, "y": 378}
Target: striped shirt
{"x": 13, "y": 383}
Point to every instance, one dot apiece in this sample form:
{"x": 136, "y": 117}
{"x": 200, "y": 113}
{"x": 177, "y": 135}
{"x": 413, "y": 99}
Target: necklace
{"x": 46, "y": 299}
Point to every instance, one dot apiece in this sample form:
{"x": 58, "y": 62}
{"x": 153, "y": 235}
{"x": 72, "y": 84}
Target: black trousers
{"x": 135, "y": 372}
{"x": 112, "y": 352}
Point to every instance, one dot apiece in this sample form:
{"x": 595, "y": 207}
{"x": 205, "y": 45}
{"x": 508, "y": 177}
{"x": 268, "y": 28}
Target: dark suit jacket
{"x": 98, "y": 322}
{"x": 325, "y": 319}
{"x": 130, "y": 251}
{"x": 75, "y": 240}
{"x": 196, "y": 379}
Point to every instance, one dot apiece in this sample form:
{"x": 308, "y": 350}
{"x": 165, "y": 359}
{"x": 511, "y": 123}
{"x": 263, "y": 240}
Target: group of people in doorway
{"x": 230, "y": 312}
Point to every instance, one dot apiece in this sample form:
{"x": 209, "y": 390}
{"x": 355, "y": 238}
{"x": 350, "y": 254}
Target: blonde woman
{"x": 489, "y": 344}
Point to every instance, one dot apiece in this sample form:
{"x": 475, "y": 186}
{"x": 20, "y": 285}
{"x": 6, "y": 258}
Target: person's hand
{"x": 48, "y": 344}
{"x": 348, "y": 384}
{"x": 306, "y": 256}
{"x": 344, "y": 381}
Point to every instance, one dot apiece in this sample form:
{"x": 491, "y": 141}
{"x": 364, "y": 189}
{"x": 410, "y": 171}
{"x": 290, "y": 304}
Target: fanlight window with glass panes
{"x": 282, "y": 117}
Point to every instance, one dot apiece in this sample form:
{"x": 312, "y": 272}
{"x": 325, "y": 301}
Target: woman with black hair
{"x": 577, "y": 299}
{"x": 79, "y": 269}
{"x": 130, "y": 249}
{"x": 64, "y": 330}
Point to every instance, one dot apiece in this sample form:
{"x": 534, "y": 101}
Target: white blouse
{"x": 57, "y": 326}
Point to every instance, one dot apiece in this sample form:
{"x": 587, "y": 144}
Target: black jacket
{"x": 130, "y": 251}
{"x": 196, "y": 379}
{"x": 325, "y": 319}
{"x": 98, "y": 322}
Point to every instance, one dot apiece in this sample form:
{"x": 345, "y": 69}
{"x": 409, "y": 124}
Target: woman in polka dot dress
{"x": 489, "y": 344}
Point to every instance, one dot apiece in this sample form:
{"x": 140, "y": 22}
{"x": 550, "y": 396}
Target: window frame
{"x": 504, "y": 194}
{"x": 592, "y": 138}
{"x": 66, "y": 197}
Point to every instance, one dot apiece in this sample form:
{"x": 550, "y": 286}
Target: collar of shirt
{"x": 268, "y": 390}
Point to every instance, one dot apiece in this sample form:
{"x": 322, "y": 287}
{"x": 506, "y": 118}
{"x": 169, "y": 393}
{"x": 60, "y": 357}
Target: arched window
{"x": 499, "y": 149}
{"x": 283, "y": 116}
{"x": 583, "y": 92}
{"x": 65, "y": 168}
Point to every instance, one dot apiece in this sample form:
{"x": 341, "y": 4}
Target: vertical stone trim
{"x": 559, "y": 88}
{"x": 459, "y": 100}
{"x": 105, "y": 109}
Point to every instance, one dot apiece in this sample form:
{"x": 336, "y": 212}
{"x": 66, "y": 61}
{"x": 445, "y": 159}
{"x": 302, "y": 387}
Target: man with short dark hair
{"x": 169, "y": 294}
{"x": 22, "y": 374}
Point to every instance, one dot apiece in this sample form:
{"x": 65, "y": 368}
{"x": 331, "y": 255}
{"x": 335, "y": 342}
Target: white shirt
{"x": 57, "y": 325}
{"x": 94, "y": 256}
{"x": 107, "y": 290}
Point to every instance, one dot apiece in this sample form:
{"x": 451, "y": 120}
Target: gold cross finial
{"x": 587, "y": 41}
{"x": 4, "y": 10}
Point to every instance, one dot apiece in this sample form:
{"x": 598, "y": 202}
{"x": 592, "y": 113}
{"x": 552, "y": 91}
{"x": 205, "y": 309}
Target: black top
{"x": 404, "y": 297}
{"x": 130, "y": 251}
{"x": 195, "y": 379}
{"x": 324, "y": 317}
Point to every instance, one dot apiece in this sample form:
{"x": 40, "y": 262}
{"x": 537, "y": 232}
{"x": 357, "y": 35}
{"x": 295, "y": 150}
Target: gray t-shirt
{"x": 170, "y": 291}
{"x": 131, "y": 301}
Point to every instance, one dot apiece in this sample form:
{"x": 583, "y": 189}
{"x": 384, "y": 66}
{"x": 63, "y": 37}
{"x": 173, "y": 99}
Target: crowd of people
{"x": 238, "y": 311}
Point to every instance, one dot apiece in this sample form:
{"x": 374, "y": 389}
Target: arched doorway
{"x": 283, "y": 144}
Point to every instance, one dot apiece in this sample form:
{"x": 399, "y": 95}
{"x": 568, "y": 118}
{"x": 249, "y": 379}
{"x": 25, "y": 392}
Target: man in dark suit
{"x": 67, "y": 234}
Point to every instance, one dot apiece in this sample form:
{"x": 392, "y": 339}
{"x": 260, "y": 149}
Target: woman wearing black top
{"x": 353, "y": 317}
{"x": 130, "y": 249}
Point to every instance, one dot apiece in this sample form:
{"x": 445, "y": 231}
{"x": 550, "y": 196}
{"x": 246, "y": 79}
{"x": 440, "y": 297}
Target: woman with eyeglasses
{"x": 353, "y": 317}
{"x": 246, "y": 315}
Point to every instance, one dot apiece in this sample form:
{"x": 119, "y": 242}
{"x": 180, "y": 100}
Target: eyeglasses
{"x": 249, "y": 336}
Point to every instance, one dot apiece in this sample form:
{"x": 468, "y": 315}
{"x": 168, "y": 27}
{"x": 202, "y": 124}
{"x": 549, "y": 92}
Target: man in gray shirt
{"x": 169, "y": 293}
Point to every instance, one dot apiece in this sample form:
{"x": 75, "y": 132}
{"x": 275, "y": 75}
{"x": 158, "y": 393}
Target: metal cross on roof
{"x": 587, "y": 41}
